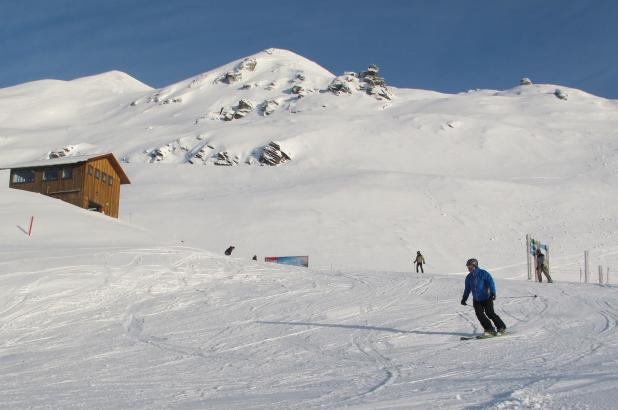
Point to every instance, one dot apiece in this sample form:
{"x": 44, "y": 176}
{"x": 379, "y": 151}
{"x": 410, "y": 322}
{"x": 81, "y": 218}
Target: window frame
{"x": 51, "y": 170}
{"x": 66, "y": 173}
{"x": 26, "y": 180}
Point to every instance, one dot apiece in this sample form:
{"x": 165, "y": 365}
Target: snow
{"x": 146, "y": 312}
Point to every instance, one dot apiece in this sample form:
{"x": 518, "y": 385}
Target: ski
{"x": 478, "y": 337}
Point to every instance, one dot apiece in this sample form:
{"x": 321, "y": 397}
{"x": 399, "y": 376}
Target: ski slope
{"x": 145, "y": 311}
{"x": 178, "y": 327}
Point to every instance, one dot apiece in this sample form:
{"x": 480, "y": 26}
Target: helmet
{"x": 472, "y": 262}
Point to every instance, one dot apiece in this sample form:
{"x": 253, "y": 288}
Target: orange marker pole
{"x": 30, "y": 229}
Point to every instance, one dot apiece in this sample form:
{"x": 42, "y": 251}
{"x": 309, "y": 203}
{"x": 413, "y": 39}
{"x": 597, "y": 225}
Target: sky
{"x": 443, "y": 45}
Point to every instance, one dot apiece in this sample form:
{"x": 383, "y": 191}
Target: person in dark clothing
{"x": 229, "y": 250}
{"x": 419, "y": 261}
{"x": 254, "y": 258}
{"x": 480, "y": 283}
{"x": 541, "y": 267}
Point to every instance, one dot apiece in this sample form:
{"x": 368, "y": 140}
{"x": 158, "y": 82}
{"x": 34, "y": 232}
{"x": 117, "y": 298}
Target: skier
{"x": 254, "y": 258}
{"x": 420, "y": 260}
{"x": 229, "y": 250}
{"x": 542, "y": 267}
{"x": 483, "y": 289}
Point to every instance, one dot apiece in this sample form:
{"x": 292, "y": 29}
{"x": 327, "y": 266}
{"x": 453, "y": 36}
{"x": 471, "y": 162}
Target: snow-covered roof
{"x": 75, "y": 159}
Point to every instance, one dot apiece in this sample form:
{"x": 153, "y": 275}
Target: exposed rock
{"x": 381, "y": 91}
{"x": 223, "y": 159}
{"x": 297, "y": 89}
{"x": 367, "y": 81}
{"x": 525, "y": 81}
{"x": 201, "y": 155}
{"x": 243, "y": 108}
{"x": 231, "y": 77}
{"x": 268, "y": 107}
{"x": 339, "y": 85}
{"x": 176, "y": 148}
{"x": 273, "y": 155}
{"x": 159, "y": 154}
{"x": 248, "y": 64}
{"x": 171, "y": 100}
{"x": 561, "y": 94}
{"x": 156, "y": 98}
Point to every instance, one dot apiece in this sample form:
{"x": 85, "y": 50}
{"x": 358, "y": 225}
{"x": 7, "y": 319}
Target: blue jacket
{"x": 481, "y": 284}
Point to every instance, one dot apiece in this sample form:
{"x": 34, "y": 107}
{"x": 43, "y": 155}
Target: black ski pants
{"x": 484, "y": 311}
{"x": 419, "y": 265}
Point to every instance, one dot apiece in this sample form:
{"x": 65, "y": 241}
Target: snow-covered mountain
{"x": 368, "y": 174}
{"x": 277, "y": 156}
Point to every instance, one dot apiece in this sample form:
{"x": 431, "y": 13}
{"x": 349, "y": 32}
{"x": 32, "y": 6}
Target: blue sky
{"x": 443, "y": 45}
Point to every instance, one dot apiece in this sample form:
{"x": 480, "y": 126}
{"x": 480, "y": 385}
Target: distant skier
{"x": 541, "y": 266}
{"x": 229, "y": 250}
{"x": 419, "y": 261}
{"x": 254, "y": 258}
{"x": 483, "y": 289}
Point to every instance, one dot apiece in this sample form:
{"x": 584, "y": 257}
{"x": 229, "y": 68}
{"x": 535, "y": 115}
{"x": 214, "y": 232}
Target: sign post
{"x": 30, "y": 229}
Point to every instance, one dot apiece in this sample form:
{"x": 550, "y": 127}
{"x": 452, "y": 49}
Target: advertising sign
{"x": 289, "y": 260}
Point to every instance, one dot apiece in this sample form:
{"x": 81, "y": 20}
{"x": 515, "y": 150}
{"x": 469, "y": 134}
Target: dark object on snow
{"x": 229, "y": 250}
{"x": 419, "y": 261}
{"x": 272, "y": 154}
{"x": 254, "y": 258}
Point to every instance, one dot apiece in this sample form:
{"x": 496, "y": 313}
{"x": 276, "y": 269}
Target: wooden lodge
{"x": 88, "y": 181}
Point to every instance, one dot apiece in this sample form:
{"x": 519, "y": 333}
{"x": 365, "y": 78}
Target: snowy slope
{"x": 98, "y": 325}
{"x": 144, "y": 312}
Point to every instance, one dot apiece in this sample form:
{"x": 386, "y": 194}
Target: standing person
{"x": 229, "y": 250}
{"x": 419, "y": 261}
{"x": 541, "y": 266}
{"x": 483, "y": 289}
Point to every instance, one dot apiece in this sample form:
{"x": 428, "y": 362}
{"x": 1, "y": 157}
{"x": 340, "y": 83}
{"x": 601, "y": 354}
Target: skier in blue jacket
{"x": 483, "y": 289}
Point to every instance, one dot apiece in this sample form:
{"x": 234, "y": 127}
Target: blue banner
{"x": 289, "y": 260}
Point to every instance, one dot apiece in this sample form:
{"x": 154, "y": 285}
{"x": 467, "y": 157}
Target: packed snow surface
{"x": 146, "y": 312}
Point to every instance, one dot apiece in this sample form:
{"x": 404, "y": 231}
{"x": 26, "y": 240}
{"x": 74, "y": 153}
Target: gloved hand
{"x": 493, "y": 296}
{"x": 463, "y": 302}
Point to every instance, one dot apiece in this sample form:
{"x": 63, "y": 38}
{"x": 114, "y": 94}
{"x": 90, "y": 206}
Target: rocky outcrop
{"x": 268, "y": 107}
{"x": 368, "y": 81}
{"x": 248, "y": 64}
{"x": 272, "y": 154}
{"x": 525, "y": 81}
{"x": 224, "y": 159}
{"x": 243, "y": 108}
{"x": 561, "y": 94}
{"x": 158, "y": 99}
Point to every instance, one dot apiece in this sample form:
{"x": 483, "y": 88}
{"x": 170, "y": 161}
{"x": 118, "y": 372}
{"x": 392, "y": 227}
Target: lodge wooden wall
{"x": 100, "y": 192}
{"x": 68, "y": 190}
{"x": 90, "y": 184}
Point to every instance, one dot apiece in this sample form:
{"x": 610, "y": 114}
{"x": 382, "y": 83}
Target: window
{"x": 50, "y": 174}
{"x": 90, "y": 170}
{"x": 67, "y": 173}
{"x": 104, "y": 177}
{"x": 97, "y": 174}
{"x": 109, "y": 180}
{"x": 23, "y": 176}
